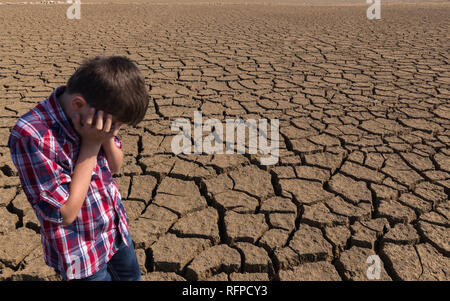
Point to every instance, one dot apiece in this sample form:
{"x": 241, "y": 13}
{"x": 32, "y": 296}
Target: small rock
{"x": 435, "y": 265}
{"x": 374, "y": 160}
{"x": 133, "y": 208}
{"x": 433, "y": 217}
{"x": 9, "y": 181}
{"x": 142, "y": 187}
{"x": 402, "y": 260}
{"x": 35, "y": 268}
{"x": 220, "y": 258}
{"x": 402, "y": 234}
{"x": 244, "y": 227}
{"x": 159, "y": 163}
{"x": 383, "y": 192}
{"x": 225, "y": 162}
{"x": 338, "y": 236}
{"x": 379, "y": 225}
{"x": 325, "y": 160}
{"x": 219, "y": 184}
{"x": 310, "y": 245}
{"x": 353, "y": 264}
{"x": 237, "y": 201}
{"x": 141, "y": 258}
{"x": 16, "y": 245}
{"x": 171, "y": 253}
{"x": 355, "y": 191}
{"x": 274, "y": 238}
{"x": 123, "y": 183}
{"x": 179, "y": 196}
{"x": 203, "y": 223}
{"x": 318, "y": 215}
{"x": 409, "y": 199}
{"x": 405, "y": 175}
{"x": 22, "y": 207}
{"x": 256, "y": 259}
{"x": 360, "y": 211}
{"x": 130, "y": 166}
{"x": 431, "y": 192}
{"x": 8, "y": 195}
{"x": 396, "y": 212}
{"x": 312, "y": 173}
{"x": 253, "y": 180}
{"x": 362, "y": 172}
{"x": 284, "y": 172}
{"x": 150, "y": 143}
{"x": 285, "y": 258}
{"x": 437, "y": 235}
{"x": 444, "y": 210}
{"x": 8, "y": 221}
{"x": 192, "y": 169}
{"x": 362, "y": 236}
{"x": 304, "y": 192}
{"x": 6, "y": 273}
{"x": 154, "y": 222}
{"x": 283, "y": 221}
{"x": 278, "y": 204}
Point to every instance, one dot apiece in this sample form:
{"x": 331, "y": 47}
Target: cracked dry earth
{"x": 364, "y": 116}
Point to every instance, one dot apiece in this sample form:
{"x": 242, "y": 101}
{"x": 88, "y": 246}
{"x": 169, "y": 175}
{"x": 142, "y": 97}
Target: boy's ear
{"x": 78, "y": 103}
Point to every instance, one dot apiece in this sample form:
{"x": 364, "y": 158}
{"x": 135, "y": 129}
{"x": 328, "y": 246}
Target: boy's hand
{"x": 94, "y": 131}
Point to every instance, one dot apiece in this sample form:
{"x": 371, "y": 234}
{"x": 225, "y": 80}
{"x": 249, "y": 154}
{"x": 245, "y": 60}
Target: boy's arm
{"x": 81, "y": 179}
{"x": 57, "y": 196}
{"x": 114, "y": 155}
{"x": 93, "y": 135}
{"x": 42, "y": 178}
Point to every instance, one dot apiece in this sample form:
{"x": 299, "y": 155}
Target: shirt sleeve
{"x": 43, "y": 180}
{"x": 117, "y": 142}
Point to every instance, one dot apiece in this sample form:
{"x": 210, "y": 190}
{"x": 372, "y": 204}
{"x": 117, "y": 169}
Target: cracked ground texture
{"x": 364, "y": 117}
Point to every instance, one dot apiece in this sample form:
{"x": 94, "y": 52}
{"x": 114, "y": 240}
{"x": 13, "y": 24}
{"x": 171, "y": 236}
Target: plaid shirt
{"x": 44, "y": 148}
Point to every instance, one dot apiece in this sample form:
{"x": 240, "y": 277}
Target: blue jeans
{"x": 123, "y": 265}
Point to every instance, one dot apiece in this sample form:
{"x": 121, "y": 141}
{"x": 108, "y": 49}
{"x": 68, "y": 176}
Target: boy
{"x": 65, "y": 150}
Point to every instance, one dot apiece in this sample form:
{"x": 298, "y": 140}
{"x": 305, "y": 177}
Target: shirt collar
{"x": 59, "y": 116}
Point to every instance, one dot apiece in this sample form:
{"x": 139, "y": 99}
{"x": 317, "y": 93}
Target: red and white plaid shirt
{"x": 44, "y": 148}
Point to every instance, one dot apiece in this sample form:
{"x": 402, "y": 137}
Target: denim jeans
{"x": 123, "y": 265}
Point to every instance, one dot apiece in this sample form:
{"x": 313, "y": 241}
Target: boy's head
{"x": 112, "y": 84}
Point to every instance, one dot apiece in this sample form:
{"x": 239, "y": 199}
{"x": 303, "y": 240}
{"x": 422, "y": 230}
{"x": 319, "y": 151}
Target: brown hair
{"x": 113, "y": 84}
